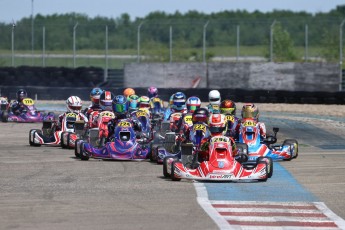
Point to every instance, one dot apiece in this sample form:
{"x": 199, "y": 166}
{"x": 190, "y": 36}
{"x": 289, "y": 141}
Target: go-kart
{"x": 96, "y": 136}
{"x": 124, "y": 145}
{"x": 221, "y": 165}
{"x": 4, "y": 107}
{"x": 249, "y": 134}
{"x": 29, "y": 113}
{"x": 50, "y": 135}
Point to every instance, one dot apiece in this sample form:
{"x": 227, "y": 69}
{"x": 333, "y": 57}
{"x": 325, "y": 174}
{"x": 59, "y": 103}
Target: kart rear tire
{"x": 173, "y": 178}
{"x": 289, "y": 142}
{"x": 62, "y": 142}
{"x": 270, "y": 165}
{"x": 83, "y": 155}
{"x": 242, "y": 146}
{"x": 68, "y": 141}
{"x": 4, "y": 116}
{"x": 262, "y": 160}
{"x": 77, "y": 155}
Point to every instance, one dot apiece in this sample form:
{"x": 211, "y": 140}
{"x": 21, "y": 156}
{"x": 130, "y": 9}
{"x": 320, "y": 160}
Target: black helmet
{"x": 200, "y": 114}
{"x": 21, "y": 94}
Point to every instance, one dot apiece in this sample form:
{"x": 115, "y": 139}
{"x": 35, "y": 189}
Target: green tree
{"x": 283, "y": 46}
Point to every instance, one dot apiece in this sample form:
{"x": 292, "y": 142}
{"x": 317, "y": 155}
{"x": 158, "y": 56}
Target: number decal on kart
{"x": 71, "y": 115}
{"x": 249, "y": 123}
{"x": 28, "y": 101}
{"x": 107, "y": 114}
{"x": 220, "y": 139}
{"x": 124, "y": 124}
{"x": 199, "y": 127}
{"x": 230, "y": 118}
{"x": 188, "y": 119}
{"x": 141, "y": 114}
{"x": 156, "y": 99}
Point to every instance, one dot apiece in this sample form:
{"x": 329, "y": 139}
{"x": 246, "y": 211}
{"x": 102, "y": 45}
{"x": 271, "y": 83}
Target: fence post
{"x": 43, "y": 46}
{"x": 74, "y": 35}
{"x": 306, "y": 44}
{"x": 139, "y": 27}
{"x": 12, "y": 42}
{"x": 204, "y": 43}
{"x": 237, "y": 42}
{"x": 271, "y": 41}
{"x": 32, "y": 32}
{"x": 341, "y": 54}
{"x": 170, "y": 39}
{"x": 106, "y": 54}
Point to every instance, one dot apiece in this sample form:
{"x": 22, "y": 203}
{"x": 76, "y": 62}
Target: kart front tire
{"x": 84, "y": 156}
{"x": 4, "y": 116}
{"x": 76, "y": 153}
{"x": 63, "y": 144}
{"x": 31, "y": 137}
{"x": 291, "y": 142}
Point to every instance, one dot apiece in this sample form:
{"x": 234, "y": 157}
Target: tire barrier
{"x": 237, "y": 95}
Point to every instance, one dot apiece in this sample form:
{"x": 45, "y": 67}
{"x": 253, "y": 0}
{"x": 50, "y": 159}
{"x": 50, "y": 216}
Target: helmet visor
{"x": 216, "y": 129}
{"x": 75, "y": 108}
{"x": 227, "y": 110}
{"x": 192, "y": 107}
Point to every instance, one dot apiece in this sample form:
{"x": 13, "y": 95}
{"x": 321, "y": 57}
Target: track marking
{"x": 267, "y": 214}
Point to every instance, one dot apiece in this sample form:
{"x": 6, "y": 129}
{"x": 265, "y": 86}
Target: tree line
{"x": 188, "y": 28}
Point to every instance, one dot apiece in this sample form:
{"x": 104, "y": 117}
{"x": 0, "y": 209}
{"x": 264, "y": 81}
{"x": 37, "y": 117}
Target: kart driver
{"x": 95, "y": 95}
{"x": 228, "y": 108}
{"x": 214, "y": 101}
{"x": 17, "y": 105}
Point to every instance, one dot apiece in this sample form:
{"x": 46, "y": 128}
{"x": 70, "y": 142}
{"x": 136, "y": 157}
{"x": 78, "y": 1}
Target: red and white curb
{"x": 268, "y": 215}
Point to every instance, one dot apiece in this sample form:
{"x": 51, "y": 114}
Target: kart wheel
{"x": 76, "y": 153}
{"x": 32, "y": 134}
{"x": 173, "y": 178}
{"x": 152, "y": 151}
{"x": 291, "y": 142}
{"x": 270, "y": 165}
{"x": 68, "y": 141}
{"x": 62, "y": 141}
{"x": 4, "y": 117}
{"x": 165, "y": 167}
{"x": 84, "y": 156}
{"x": 242, "y": 147}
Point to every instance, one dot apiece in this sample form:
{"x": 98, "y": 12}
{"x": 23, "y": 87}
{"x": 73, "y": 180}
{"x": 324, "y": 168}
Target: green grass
{"x": 158, "y": 53}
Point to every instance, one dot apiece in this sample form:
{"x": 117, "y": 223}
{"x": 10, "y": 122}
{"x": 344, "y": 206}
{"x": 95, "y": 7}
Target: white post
{"x": 271, "y": 41}
{"x": 74, "y": 35}
{"x": 32, "y": 31}
{"x": 306, "y": 43}
{"x": 170, "y": 39}
{"x": 238, "y": 43}
{"x": 44, "y": 46}
{"x": 12, "y": 42}
{"x": 138, "y": 46}
{"x": 204, "y": 43}
{"x": 106, "y": 54}
{"x": 341, "y": 54}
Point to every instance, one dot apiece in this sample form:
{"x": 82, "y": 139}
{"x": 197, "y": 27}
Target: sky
{"x": 14, "y": 10}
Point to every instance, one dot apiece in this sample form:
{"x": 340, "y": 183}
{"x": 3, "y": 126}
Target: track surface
{"x": 47, "y": 188}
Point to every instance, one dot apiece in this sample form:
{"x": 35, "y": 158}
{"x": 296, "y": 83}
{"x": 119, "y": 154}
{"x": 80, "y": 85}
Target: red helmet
{"x": 228, "y": 107}
{"x": 200, "y": 115}
{"x": 217, "y": 124}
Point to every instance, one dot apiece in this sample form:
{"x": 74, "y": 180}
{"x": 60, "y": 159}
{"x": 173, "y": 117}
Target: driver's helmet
{"x": 152, "y": 92}
{"x": 214, "y": 97}
{"x": 21, "y": 94}
{"x": 128, "y": 92}
{"x": 249, "y": 110}
{"x": 120, "y": 106}
{"x": 193, "y": 103}
{"x": 144, "y": 102}
{"x": 228, "y": 107}
{"x": 95, "y": 95}
{"x": 179, "y": 101}
{"x": 106, "y": 100}
{"x": 74, "y": 104}
{"x": 217, "y": 124}
{"x": 133, "y": 102}
{"x": 200, "y": 115}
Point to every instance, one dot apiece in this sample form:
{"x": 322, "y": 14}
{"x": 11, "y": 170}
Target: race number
{"x": 230, "y": 118}
{"x": 28, "y": 101}
{"x": 188, "y": 119}
{"x": 141, "y": 114}
{"x": 71, "y": 115}
{"x": 249, "y": 123}
{"x": 220, "y": 139}
{"x": 199, "y": 127}
{"x": 124, "y": 124}
{"x": 107, "y": 114}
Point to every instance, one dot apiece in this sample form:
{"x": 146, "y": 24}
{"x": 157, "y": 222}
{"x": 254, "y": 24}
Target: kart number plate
{"x": 220, "y": 139}
{"x": 28, "y": 101}
{"x": 230, "y": 118}
{"x": 199, "y": 127}
{"x": 71, "y": 115}
{"x": 249, "y": 123}
{"x": 188, "y": 119}
{"x": 107, "y": 114}
{"x": 141, "y": 114}
{"x": 124, "y": 124}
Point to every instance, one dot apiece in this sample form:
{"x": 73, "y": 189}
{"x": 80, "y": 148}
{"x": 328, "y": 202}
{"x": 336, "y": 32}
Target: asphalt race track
{"x": 48, "y": 188}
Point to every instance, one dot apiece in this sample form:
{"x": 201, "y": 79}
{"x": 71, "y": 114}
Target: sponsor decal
{"x": 221, "y": 164}
{"x": 221, "y": 176}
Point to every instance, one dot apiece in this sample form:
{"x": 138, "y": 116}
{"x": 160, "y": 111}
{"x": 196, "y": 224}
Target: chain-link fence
{"x": 73, "y": 44}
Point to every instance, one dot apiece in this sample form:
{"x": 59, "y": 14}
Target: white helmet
{"x": 214, "y": 97}
{"x": 74, "y": 104}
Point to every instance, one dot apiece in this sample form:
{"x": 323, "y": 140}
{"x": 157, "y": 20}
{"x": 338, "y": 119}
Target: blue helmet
{"x": 179, "y": 101}
{"x": 133, "y": 102}
{"x": 95, "y": 95}
{"x": 120, "y": 105}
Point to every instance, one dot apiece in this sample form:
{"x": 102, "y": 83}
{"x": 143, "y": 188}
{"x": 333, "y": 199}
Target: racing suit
{"x": 262, "y": 128}
{"x": 17, "y": 107}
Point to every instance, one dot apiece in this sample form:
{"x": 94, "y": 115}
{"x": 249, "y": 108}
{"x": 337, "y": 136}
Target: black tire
{"x": 62, "y": 142}
{"x": 173, "y": 178}
{"x": 165, "y": 171}
{"x": 77, "y": 155}
{"x": 84, "y": 156}
{"x": 291, "y": 142}
{"x": 242, "y": 146}
{"x": 270, "y": 165}
{"x": 68, "y": 141}
{"x": 34, "y": 133}
{"x": 4, "y": 116}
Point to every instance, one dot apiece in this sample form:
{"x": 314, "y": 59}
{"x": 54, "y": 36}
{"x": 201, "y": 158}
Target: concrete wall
{"x": 264, "y": 76}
